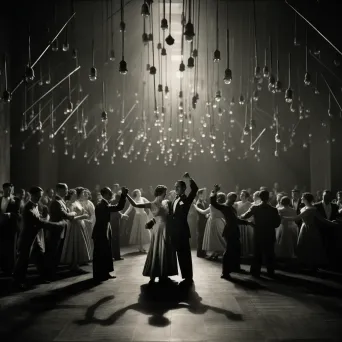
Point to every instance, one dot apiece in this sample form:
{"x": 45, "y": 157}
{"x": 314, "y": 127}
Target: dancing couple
{"x": 170, "y": 233}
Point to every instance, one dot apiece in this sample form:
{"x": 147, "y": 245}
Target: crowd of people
{"x": 75, "y": 227}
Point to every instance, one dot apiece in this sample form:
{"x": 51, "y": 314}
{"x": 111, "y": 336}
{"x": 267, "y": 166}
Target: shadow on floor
{"x": 155, "y": 301}
{"x": 37, "y": 306}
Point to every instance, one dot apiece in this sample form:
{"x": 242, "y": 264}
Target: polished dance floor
{"x": 291, "y": 307}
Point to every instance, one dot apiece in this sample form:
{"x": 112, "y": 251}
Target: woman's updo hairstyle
{"x": 160, "y": 190}
{"x": 71, "y": 192}
{"x": 308, "y": 196}
{"x": 79, "y": 191}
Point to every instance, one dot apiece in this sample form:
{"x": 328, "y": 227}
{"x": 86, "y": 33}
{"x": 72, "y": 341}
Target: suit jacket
{"x": 334, "y": 211}
{"x": 10, "y": 225}
{"x": 231, "y": 228}
{"x": 299, "y": 206}
{"x": 32, "y": 222}
{"x": 179, "y": 224}
{"x": 59, "y": 210}
{"x": 102, "y": 214}
{"x": 266, "y": 219}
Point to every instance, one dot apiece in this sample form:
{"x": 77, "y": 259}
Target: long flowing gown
{"x": 286, "y": 235}
{"x": 310, "y": 249}
{"x": 161, "y": 260}
{"x": 89, "y": 208}
{"x": 246, "y": 232}
{"x": 213, "y": 240}
{"x": 139, "y": 234}
{"x": 76, "y": 249}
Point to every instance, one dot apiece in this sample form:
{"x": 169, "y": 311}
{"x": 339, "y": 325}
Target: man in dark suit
{"x": 179, "y": 227}
{"x": 296, "y": 203}
{"x": 58, "y": 213}
{"x": 102, "y": 234}
{"x": 201, "y": 221}
{"x": 329, "y": 211}
{"x": 9, "y": 228}
{"x": 31, "y": 223}
{"x": 266, "y": 220}
{"x": 231, "y": 233}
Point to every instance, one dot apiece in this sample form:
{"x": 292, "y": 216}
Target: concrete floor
{"x": 290, "y": 308}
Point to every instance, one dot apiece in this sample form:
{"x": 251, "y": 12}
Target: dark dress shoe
{"x": 111, "y": 276}
{"x": 118, "y": 259}
{"x": 226, "y": 276}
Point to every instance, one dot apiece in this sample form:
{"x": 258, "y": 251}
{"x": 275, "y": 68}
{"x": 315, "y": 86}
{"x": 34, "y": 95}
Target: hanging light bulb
{"x": 217, "y": 56}
{"x": 227, "y": 76}
{"x": 29, "y": 74}
{"x": 246, "y": 130}
{"x": 218, "y": 96}
{"x": 163, "y": 51}
{"x": 189, "y": 32}
{"x": 277, "y": 138}
{"x": 278, "y": 87}
{"x": 257, "y": 72}
{"x": 7, "y": 96}
{"x": 276, "y": 153}
{"x": 74, "y": 53}
{"x": 145, "y": 10}
{"x": 307, "y": 79}
{"x": 123, "y": 67}
{"x": 70, "y": 107}
{"x": 232, "y": 102}
{"x": 182, "y": 67}
{"x": 169, "y": 40}
{"x": 104, "y": 116}
{"x": 241, "y": 100}
{"x": 160, "y": 88}
{"x": 252, "y": 124}
{"x": 54, "y": 45}
{"x": 93, "y": 74}
{"x": 166, "y": 92}
{"x": 255, "y": 95}
{"x": 163, "y": 24}
{"x": 191, "y": 62}
{"x": 288, "y": 95}
{"x": 271, "y": 83}
{"x": 65, "y": 46}
{"x": 266, "y": 71}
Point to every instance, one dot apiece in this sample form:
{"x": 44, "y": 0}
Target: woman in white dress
{"x": 213, "y": 240}
{"x": 287, "y": 233}
{"x": 89, "y": 208}
{"x": 139, "y": 235}
{"x": 76, "y": 249}
{"x": 161, "y": 260}
{"x": 246, "y": 232}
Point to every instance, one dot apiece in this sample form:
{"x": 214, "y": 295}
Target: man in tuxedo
{"x": 266, "y": 220}
{"x": 54, "y": 242}
{"x": 102, "y": 234}
{"x": 32, "y": 221}
{"x": 9, "y": 228}
{"x": 201, "y": 221}
{"x": 231, "y": 233}
{"x": 329, "y": 211}
{"x": 179, "y": 227}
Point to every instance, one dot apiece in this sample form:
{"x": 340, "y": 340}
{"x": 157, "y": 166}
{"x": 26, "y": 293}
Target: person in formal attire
{"x": 297, "y": 204}
{"x": 32, "y": 223}
{"x": 116, "y": 189}
{"x": 231, "y": 232}
{"x": 266, "y": 220}
{"x": 213, "y": 240}
{"x": 180, "y": 228}
{"x": 76, "y": 247}
{"x": 116, "y": 220}
{"x": 21, "y": 196}
{"x": 339, "y": 199}
{"x": 9, "y": 228}
{"x": 89, "y": 208}
{"x": 310, "y": 247}
{"x": 96, "y": 194}
{"x": 329, "y": 211}
{"x": 201, "y": 221}
{"x": 287, "y": 233}
{"x": 47, "y": 197}
{"x": 139, "y": 236}
{"x": 102, "y": 235}
{"x": 161, "y": 260}
{"x": 246, "y": 231}
{"x": 54, "y": 241}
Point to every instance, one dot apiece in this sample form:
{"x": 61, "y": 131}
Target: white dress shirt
{"x": 4, "y": 204}
{"x": 175, "y": 204}
{"x": 327, "y": 209}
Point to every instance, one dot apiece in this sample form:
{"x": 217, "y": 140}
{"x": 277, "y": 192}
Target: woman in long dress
{"x": 246, "y": 232}
{"x": 213, "y": 240}
{"x": 139, "y": 235}
{"x": 76, "y": 247}
{"x": 287, "y": 233}
{"x": 310, "y": 249}
{"x": 161, "y": 260}
{"x": 88, "y": 206}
